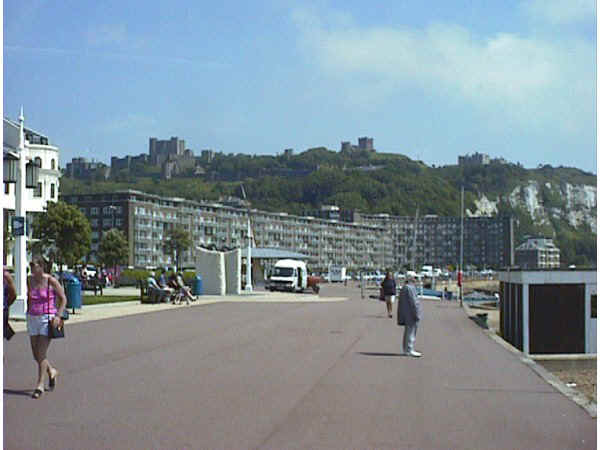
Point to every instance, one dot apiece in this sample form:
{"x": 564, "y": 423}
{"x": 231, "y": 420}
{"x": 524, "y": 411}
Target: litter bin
{"x": 73, "y": 292}
{"x": 197, "y": 287}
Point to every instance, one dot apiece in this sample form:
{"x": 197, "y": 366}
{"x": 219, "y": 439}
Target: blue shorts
{"x": 37, "y": 325}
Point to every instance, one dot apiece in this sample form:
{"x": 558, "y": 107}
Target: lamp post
{"x": 249, "y": 260}
{"x": 460, "y": 270}
{"x": 19, "y": 307}
{"x": 248, "y": 287}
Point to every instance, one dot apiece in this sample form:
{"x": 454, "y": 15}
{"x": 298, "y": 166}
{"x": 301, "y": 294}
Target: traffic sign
{"x": 18, "y": 225}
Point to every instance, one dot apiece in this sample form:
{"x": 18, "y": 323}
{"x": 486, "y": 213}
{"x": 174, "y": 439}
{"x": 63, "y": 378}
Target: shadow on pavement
{"x": 380, "y": 354}
{"x": 24, "y": 392}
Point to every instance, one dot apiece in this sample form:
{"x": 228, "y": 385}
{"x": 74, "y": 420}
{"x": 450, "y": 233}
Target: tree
{"x": 113, "y": 249}
{"x": 177, "y": 240}
{"x": 65, "y": 230}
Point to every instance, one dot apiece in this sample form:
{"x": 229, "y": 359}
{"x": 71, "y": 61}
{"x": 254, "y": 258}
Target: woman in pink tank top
{"x": 42, "y": 292}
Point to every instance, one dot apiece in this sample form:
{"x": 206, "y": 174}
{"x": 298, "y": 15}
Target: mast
{"x": 462, "y": 208}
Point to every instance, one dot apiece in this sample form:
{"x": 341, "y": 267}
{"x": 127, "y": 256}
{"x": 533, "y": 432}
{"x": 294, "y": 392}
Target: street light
{"x": 22, "y": 182}
{"x": 248, "y": 256}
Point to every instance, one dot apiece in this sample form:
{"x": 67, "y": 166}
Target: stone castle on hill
{"x": 174, "y": 159}
{"x": 170, "y": 155}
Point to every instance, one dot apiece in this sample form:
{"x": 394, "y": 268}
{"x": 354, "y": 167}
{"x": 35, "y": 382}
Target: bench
{"x": 148, "y": 294}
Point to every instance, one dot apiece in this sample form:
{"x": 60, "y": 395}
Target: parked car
{"x": 91, "y": 271}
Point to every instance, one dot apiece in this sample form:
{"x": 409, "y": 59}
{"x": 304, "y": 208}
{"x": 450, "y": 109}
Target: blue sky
{"x": 430, "y": 80}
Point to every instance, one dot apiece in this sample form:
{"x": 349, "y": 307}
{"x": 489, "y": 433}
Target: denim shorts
{"x": 37, "y": 325}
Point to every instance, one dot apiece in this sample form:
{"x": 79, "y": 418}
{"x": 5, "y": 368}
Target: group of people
{"x": 172, "y": 290}
{"x": 46, "y": 303}
{"x": 409, "y": 311}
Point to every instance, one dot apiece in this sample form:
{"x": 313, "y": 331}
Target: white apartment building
{"x": 39, "y": 150}
{"x": 145, "y": 219}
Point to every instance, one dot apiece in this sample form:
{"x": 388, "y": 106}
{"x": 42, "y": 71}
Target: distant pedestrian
{"x": 388, "y": 285}
{"x": 10, "y": 294}
{"x": 42, "y": 292}
{"x": 409, "y": 315}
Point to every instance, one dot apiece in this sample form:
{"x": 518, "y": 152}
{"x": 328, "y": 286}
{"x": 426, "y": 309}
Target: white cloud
{"x": 533, "y": 81}
{"x": 561, "y": 11}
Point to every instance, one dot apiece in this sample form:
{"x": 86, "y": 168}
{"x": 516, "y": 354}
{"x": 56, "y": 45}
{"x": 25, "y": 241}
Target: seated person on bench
{"x": 181, "y": 290}
{"x": 164, "y": 285}
{"x": 155, "y": 291}
{"x": 185, "y": 291}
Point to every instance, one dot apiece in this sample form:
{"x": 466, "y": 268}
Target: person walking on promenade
{"x": 42, "y": 292}
{"x": 409, "y": 315}
{"x": 388, "y": 285}
{"x": 10, "y": 294}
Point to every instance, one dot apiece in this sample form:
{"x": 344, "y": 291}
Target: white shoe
{"x": 415, "y": 354}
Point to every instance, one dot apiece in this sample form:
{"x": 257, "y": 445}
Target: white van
{"x": 288, "y": 275}
{"x": 337, "y": 274}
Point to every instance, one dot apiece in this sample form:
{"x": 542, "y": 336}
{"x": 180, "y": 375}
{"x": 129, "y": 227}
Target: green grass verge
{"x": 100, "y": 299}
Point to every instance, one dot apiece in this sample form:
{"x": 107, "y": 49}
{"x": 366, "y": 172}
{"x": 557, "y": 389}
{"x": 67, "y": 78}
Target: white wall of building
{"x": 48, "y": 178}
{"x": 211, "y": 267}
{"x": 35, "y": 200}
{"x": 233, "y": 271}
{"x": 49, "y": 172}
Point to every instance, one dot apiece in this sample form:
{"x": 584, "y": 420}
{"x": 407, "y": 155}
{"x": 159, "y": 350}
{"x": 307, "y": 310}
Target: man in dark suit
{"x": 409, "y": 315}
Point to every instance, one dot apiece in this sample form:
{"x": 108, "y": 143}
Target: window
{"x": 38, "y": 162}
{"x": 37, "y": 192}
{"x": 94, "y": 211}
{"x": 52, "y": 190}
{"x": 52, "y": 164}
{"x": 7, "y": 188}
{"x": 594, "y": 302}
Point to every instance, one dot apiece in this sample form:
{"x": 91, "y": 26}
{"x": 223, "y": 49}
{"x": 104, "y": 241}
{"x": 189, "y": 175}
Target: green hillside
{"x": 372, "y": 183}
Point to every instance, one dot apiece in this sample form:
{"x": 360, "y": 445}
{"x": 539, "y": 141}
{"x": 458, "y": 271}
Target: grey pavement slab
{"x": 238, "y": 375}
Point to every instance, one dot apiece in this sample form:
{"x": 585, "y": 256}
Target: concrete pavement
{"x": 109, "y": 310}
{"x": 276, "y": 374}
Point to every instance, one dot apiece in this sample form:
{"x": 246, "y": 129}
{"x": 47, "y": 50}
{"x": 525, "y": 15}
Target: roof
{"x": 537, "y": 244}
{"x": 273, "y": 253}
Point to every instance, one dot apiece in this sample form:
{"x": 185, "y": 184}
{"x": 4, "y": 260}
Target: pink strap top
{"x": 42, "y": 301}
